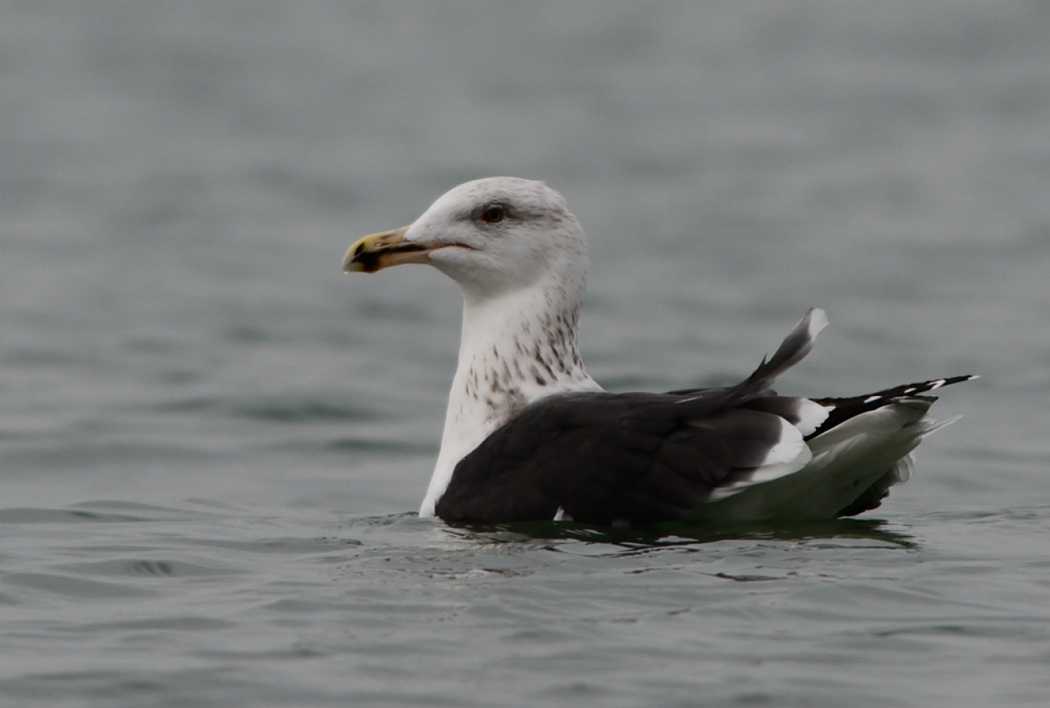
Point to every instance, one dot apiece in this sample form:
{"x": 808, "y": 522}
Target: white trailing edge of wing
{"x": 844, "y": 462}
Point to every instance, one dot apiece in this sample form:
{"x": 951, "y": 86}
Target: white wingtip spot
{"x": 811, "y": 415}
{"x": 872, "y": 399}
{"x": 818, "y": 320}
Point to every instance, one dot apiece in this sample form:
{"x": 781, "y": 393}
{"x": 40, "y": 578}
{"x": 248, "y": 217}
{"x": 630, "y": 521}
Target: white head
{"x": 521, "y": 259}
{"x": 493, "y": 236}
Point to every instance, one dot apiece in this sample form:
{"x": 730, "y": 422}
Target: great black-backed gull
{"x": 529, "y": 435}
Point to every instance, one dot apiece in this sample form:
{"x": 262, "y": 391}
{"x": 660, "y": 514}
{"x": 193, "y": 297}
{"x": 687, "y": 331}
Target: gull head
{"x": 493, "y": 236}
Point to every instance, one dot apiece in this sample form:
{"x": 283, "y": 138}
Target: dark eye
{"x": 493, "y": 214}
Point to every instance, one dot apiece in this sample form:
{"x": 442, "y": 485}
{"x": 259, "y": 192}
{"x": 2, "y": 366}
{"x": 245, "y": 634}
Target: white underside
{"x": 845, "y": 461}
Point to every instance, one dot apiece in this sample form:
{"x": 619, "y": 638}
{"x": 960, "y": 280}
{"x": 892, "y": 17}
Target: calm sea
{"x": 212, "y": 444}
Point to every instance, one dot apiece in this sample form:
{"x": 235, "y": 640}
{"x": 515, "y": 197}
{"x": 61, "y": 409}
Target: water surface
{"x": 211, "y": 443}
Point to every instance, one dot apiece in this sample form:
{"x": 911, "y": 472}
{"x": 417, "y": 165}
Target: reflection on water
{"x": 684, "y": 534}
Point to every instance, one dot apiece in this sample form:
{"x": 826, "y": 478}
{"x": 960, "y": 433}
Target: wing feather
{"x": 644, "y": 458}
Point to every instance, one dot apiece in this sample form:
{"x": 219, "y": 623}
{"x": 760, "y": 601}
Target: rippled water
{"x": 212, "y": 444}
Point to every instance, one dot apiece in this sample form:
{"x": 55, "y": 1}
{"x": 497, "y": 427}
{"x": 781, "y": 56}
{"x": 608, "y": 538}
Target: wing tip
{"x": 815, "y": 319}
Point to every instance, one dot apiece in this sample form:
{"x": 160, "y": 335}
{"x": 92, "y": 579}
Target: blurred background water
{"x": 212, "y": 443}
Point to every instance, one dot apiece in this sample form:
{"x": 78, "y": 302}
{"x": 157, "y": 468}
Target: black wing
{"x": 645, "y": 458}
{"x": 842, "y": 409}
{"x": 604, "y": 457}
{"x": 638, "y": 457}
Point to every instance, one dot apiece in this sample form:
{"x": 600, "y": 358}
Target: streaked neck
{"x": 514, "y": 349}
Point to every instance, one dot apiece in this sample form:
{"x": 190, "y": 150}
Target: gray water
{"x": 212, "y": 444}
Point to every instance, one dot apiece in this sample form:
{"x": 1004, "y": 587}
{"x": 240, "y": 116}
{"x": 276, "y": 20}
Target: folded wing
{"x": 740, "y": 452}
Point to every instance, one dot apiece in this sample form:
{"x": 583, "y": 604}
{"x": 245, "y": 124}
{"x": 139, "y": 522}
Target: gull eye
{"x": 493, "y": 214}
